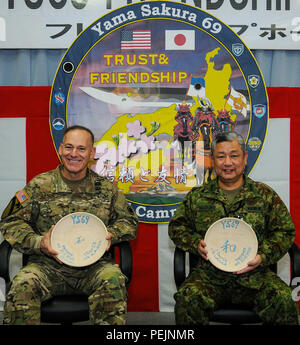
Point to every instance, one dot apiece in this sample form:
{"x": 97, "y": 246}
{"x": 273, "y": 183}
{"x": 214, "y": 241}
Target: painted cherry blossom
{"x": 149, "y": 141}
{"x": 135, "y": 129}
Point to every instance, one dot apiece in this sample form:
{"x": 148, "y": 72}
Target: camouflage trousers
{"x": 103, "y": 282}
{"x": 196, "y": 300}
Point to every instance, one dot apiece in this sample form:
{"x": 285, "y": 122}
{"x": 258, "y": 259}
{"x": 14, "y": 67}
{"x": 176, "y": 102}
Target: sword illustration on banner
{"x": 122, "y": 100}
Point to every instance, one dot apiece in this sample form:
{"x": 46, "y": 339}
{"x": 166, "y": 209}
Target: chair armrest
{"x": 179, "y": 266}
{"x": 5, "y": 252}
{"x": 125, "y": 259}
{"x": 294, "y": 253}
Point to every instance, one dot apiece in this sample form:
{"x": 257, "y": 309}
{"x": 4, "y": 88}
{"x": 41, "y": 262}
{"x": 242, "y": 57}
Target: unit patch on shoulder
{"x": 21, "y": 196}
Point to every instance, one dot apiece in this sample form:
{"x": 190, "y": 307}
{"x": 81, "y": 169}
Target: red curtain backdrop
{"x": 33, "y": 104}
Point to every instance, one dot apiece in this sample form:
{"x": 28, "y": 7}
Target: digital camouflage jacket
{"x": 49, "y": 196}
{"x": 257, "y": 204}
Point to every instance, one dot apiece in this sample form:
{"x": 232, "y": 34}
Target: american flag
{"x": 136, "y": 40}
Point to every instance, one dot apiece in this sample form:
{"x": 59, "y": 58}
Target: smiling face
{"x": 76, "y": 151}
{"x": 229, "y": 162}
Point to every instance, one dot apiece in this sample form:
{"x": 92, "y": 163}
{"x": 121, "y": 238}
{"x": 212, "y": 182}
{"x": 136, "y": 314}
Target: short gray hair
{"x": 81, "y": 128}
{"x": 228, "y": 136}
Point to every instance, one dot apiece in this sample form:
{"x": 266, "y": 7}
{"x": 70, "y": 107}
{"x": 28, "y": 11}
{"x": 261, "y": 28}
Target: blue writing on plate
{"x": 79, "y": 240}
{"x": 64, "y": 253}
{"x": 80, "y": 219}
{"x": 244, "y": 255}
{"x": 92, "y": 251}
{"x": 218, "y": 257}
{"x": 230, "y": 224}
{"x": 227, "y": 247}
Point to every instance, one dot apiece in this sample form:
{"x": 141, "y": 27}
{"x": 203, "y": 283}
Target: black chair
{"x": 230, "y": 314}
{"x": 69, "y": 308}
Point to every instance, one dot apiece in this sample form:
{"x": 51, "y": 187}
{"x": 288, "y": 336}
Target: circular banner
{"x": 155, "y": 81}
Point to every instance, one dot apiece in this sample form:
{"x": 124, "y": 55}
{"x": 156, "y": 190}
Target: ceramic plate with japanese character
{"x": 231, "y": 243}
{"x": 79, "y": 238}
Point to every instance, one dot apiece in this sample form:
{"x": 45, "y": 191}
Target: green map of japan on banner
{"x": 156, "y": 81}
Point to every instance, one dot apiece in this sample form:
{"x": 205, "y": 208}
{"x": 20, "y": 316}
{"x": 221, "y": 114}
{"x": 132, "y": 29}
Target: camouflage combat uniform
{"x": 207, "y": 287}
{"x": 45, "y": 200}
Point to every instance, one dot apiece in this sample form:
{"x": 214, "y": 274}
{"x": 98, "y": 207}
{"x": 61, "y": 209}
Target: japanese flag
{"x": 180, "y": 40}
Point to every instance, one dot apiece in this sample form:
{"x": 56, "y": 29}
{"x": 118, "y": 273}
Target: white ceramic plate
{"x": 231, "y": 243}
{"x": 79, "y": 238}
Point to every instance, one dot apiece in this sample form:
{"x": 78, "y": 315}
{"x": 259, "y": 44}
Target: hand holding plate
{"x": 108, "y": 238}
{"x": 45, "y": 245}
{"x": 251, "y": 265}
{"x": 201, "y": 250}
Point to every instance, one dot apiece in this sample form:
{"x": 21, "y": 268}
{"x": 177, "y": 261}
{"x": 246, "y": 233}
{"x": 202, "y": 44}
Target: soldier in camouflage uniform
{"x": 25, "y": 224}
{"x": 232, "y": 194}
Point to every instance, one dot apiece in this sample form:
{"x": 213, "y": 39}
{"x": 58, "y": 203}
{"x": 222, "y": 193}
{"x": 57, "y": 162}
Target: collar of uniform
{"x": 249, "y": 189}
{"x": 70, "y": 184}
{"x": 212, "y": 190}
{"x": 60, "y": 168}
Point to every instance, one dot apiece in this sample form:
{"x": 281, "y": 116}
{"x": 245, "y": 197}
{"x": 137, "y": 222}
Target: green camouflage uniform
{"x": 207, "y": 287}
{"x": 46, "y": 199}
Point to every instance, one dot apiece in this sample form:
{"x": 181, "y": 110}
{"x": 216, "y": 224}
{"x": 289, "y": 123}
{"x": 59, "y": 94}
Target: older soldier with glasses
{"x": 27, "y": 224}
{"x": 232, "y": 194}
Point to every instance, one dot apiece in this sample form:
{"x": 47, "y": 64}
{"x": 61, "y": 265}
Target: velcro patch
{"x": 21, "y": 196}
{"x": 206, "y": 208}
{"x": 256, "y": 209}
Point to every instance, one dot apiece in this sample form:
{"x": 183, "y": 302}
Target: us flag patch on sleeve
{"x": 21, "y": 196}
